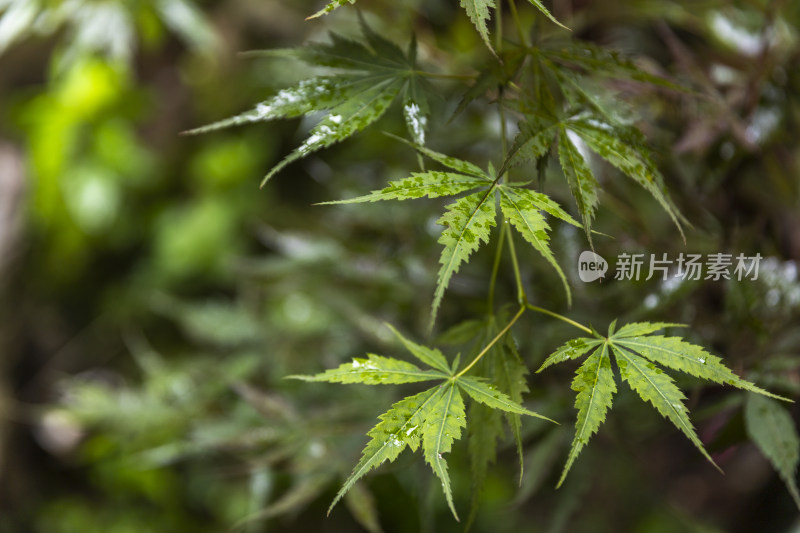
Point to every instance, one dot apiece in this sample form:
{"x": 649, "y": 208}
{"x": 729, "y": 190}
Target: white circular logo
{"x": 591, "y": 266}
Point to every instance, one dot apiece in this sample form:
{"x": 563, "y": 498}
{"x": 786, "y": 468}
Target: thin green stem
{"x": 522, "y": 298}
{"x": 491, "y": 343}
{"x": 520, "y": 30}
{"x": 421, "y": 162}
{"x": 560, "y": 317}
{"x": 503, "y": 135}
{"x": 495, "y": 269}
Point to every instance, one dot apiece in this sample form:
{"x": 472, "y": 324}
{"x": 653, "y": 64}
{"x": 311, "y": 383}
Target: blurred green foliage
{"x": 156, "y": 297}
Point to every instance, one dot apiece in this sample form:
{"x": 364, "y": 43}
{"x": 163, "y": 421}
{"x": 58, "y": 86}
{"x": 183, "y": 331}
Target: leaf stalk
{"x": 491, "y": 343}
{"x": 560, "y": 317}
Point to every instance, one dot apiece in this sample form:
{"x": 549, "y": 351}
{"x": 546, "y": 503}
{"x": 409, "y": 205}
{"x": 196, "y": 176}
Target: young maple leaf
{"x": 637, "y": 353}
{"x": 478, "y": 13}
{"x": 584, "y": 120}
{"x": 772, "y": 429}
{"x": 468, "y": 221}
{"x": 432, "y": 419}
{"x": 372, "y": 75}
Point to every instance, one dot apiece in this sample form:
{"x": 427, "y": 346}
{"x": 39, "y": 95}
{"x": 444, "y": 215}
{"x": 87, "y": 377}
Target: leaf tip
{"x": 777, "y": 397}
{"x": 266, "y": 179}
{"x": 537, "y": 415}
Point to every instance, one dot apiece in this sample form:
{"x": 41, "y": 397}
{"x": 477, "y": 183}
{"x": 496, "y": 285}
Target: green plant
{"x": 559, "y": 89}
{"x": 158, "y": 301}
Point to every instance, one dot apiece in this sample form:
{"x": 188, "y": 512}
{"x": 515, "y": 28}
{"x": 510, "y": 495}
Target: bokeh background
{"x": 152, "y": 297}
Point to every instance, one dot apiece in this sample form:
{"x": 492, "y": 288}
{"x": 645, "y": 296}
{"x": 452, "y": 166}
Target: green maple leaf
{"x": 432, "y": 419}
{"x": 581, "y": 181}
{"x": 599, "y": 61}
{"x": 468, "y": 221}
{"x": 373, "y": 74}
{"x": 637, "y": 353}
{"x": 771, "y": 427}
{"x": 453, "y": 163}
{"x": 572, "y": 349}
{"x": 431, "y": 184}
{"x": 625, "y": 148}
{"x": 429, "y": 356}
{"x": 656, "y": 387}
{"x": 586, "y": 119}
{"x": 675, "y": 353}
{"x": 538, "y": 5}
{"x": 478, "y": 13}
{"x": 441, "y": 428}
{"x": 523, "y": 209}
{"x": 374, "y": 370}
{"x": 534, "y": 139}
{"x": 622, "y": 146}
{"x": 594, "y": 383}
{"x": 399, "y": 427}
